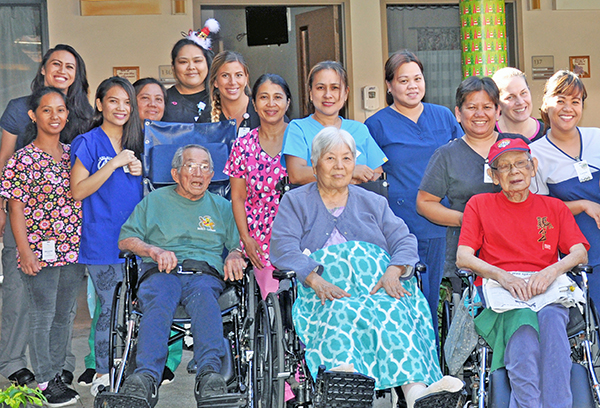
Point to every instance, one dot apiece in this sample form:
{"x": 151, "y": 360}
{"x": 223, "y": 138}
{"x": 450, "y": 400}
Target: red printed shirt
{"x": 524, "y": 236}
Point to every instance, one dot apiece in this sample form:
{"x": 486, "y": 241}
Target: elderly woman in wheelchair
{"x": 359, "y": 303}
{"x": 515, "y": 230}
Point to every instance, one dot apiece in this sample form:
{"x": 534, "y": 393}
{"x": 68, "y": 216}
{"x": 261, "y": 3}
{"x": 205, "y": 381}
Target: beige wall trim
{"x": 116, "y": 8}
{"x": 576, "y": 5}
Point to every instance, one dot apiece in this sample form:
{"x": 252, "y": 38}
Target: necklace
{"x": 235, "y": 115}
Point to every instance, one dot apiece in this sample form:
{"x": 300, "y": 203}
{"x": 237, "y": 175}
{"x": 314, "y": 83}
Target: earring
{"x": 67, "y": 120}
{"x": 33, "y": 121}
{"x": 389, "y": 92}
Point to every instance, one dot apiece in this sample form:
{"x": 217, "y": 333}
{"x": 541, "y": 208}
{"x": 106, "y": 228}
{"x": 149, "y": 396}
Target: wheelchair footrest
{"x": 442, "y": 399}
{"x": 343, "y": 390}
{"x": 112, "y": 400}
{"x": 223, "y": 401}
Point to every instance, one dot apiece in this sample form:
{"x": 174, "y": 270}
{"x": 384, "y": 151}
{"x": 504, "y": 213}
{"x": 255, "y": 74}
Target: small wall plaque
{"x": 542, "y": 66}
{"x": 130, "y": 73}
{"x": 165, "y": 73}
{"x": 580, "y": 66}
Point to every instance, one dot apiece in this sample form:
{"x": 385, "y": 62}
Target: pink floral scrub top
{"x": 261, "y": 172}
{"x": 33, "y": 177}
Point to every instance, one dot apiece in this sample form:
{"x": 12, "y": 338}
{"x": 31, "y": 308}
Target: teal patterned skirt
{"x": 391, "y": 340}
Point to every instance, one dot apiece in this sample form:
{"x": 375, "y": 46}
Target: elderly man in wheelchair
{"x": 515, "y": 230}
{"x": 173, "y": 224}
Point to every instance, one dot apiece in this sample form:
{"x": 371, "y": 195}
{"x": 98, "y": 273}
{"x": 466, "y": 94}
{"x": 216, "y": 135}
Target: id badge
{"x": 243, "y": 131}
{"x": 486, "y": 177}
{"x": 583, "y": 171}
{"x": 126, "y": 168}
{"x": 48, "y": 251}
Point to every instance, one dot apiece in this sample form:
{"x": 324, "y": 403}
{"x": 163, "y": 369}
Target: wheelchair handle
{"x": 577, "y": 270}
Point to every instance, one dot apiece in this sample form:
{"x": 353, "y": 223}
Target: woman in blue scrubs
{"x": 409, "y": 131}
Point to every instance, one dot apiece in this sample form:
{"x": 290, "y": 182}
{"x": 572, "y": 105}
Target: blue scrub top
{"x": 106, "y": 210}
{"x": 409, "y": 146}
{"x": 299, "y": 134}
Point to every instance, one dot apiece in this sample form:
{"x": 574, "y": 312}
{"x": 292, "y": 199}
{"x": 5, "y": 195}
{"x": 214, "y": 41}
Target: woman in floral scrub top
{"x": 254, "y": 169}
{"x": 46, "y": 222}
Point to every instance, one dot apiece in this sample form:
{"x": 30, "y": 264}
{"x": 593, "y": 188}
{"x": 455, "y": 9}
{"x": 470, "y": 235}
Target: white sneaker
{"x": 104, "y": 380}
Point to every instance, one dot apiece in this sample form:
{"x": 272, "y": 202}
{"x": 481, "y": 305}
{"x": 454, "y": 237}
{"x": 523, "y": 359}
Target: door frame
{"x": 518, "y": 4}
{"x": 346, "y": 50}
{"x": 43, "y": 4}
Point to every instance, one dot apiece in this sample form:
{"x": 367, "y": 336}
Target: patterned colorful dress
{"x": 43, "y": 185}
{"x": 261, "y": 172}
{"x": 391, "y": 340}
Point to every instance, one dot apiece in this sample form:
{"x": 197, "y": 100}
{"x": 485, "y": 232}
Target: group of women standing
{"x": 66, "y": 203}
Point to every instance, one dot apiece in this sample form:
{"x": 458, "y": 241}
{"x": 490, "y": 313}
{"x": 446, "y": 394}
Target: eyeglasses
{"x": 197, "y": 168}
{"x": 506, "y": 167}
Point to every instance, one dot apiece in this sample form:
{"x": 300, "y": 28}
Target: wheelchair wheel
{"x": 120, "y": 359}
{"x": 594, "y": 337}
{"x": 263, "y": 370}
{"x": 268, "y": 355}
{"x": 252, "y": 299}
{"x": 446, "y": 320}
{"x": 277, "y": 358}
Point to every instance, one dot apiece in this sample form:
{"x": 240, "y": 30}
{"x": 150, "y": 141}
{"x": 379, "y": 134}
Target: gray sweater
{"x": 303, "y": 222}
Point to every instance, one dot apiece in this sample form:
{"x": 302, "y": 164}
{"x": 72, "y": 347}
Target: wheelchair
{"x": 493, "y": 389}
{"x": 238, "y": 302}
{"x": 279, "y": 359}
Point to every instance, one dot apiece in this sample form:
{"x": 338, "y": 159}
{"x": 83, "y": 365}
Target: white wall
{"x": 105, "y": 42}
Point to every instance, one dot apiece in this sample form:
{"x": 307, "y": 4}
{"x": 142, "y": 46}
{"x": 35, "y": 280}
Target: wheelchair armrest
{"x": 281, "y": 275}
{"x": 126, "y": 255}
{"x": 465, "y": 273}
{"x": 420, "y": 267}
{"x": 577, "y": 270}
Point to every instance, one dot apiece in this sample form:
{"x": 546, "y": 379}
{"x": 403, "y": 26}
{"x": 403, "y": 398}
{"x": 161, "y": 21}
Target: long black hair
{"x": 33, "y": 103}
{"x": 132, "y": 130}
{"x": 80, "y": 110}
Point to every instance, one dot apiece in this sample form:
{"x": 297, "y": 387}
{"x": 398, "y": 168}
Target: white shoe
{"x": 104, "y": 380}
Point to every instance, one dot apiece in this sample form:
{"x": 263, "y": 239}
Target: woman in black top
{"x": 191, "y": 59}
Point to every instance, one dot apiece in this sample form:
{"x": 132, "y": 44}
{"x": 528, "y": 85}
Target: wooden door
{"x": 318, "y": 37}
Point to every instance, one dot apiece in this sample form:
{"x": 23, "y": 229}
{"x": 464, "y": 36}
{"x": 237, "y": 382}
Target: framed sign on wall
{"x": 580, "y": 65}
{"x": 130, "y": 73}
